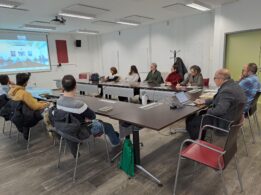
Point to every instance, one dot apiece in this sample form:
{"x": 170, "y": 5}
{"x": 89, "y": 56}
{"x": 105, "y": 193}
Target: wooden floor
{"x": 35, "y": 172}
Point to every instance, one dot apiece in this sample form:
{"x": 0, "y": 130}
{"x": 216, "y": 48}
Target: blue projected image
{"x": 23, "y": 55}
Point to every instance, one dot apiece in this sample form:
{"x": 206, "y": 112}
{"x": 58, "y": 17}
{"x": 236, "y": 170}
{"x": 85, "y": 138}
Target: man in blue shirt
{"x": 249, "y": 82}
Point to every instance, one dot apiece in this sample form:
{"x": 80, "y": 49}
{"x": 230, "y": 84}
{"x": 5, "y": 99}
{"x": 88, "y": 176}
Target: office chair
{"x": 210, "y": 155}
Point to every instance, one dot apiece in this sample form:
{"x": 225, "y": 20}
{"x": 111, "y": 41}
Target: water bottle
{"x": 144, "y": 98}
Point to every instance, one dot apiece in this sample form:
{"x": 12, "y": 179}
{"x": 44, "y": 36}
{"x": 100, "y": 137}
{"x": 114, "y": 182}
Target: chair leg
{"x": 177, "y": 174}
{"x": 251, "y": 129}
{"x": 223, "y": 182}
{"x": 28, "y": 141}
{"x": 195, "y": 169}
{"x": 10, "y": 130}
{"x": 60, "y": 149}
{"x": 76, "y": 162}
{"x": 64, "y": 149}
{"x": 238, "y": 174}
{"x": 4, "y": 127}
{"x": 106, "y": 144}
{"x": 244, "y": 140}
{"x": 257, "y": 124}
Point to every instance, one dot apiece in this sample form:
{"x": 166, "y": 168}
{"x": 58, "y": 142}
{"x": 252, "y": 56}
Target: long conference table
{"x": 124, "y": 89}
{"x": 155, "y": 116}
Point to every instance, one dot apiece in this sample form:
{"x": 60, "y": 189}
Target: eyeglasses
{"x": 215, "y": 78}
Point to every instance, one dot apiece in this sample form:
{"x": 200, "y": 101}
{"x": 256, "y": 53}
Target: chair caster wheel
{"x": 160, "y": 185}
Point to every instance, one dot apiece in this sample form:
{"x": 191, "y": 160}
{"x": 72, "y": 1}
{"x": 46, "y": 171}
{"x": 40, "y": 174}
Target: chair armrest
{"x": 206, "y": 127}
{"x": 203, "y": 145}
{"x": 215, "y": 117}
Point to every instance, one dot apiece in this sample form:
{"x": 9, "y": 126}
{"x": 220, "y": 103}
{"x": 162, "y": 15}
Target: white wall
{"x": 240, "y": 16}
{"x": 199, "y": 37}
{"x": 192, "y": 35}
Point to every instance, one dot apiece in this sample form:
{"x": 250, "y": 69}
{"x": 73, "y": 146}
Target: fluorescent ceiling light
{"x": 75, "y": 15}
{"x": 126, "y": 22}
{"x": 9, "y": 4}
{"x": 88, "y": 32}
{"x": 198, "y": 6}
{"x": 6, "y": 5}
{"x": 38, "y": 27}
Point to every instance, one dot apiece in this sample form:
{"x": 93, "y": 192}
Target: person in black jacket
{"x": 228, "y": 103}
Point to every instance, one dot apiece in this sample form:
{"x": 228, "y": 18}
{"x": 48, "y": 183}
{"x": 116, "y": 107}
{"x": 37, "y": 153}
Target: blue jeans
{"x": 108, "y": 129}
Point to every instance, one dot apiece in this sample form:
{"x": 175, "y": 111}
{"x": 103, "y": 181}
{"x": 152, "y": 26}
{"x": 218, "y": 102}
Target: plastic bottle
{"x": 144, "y": 98}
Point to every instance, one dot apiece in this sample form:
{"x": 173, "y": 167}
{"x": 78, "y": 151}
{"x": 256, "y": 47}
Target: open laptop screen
{"x": 181, "y": 96}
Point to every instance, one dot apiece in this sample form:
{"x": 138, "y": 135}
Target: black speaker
{"x": 78, "y": 43}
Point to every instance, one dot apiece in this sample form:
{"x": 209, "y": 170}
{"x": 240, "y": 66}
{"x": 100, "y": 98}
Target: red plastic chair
{"x": 206, "y": 82}
{"x": 211, "y": 155}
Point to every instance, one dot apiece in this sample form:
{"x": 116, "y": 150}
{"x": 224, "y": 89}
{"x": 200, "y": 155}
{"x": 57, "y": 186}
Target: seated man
{"x": 227, "y": 103}
{"x": 154, "y": 76}
{"x": 4, "y": 88}
{"x": 80, "y": 110}
{"x": 5, "y": 82}
{"x": 18, "y": 93}
{"x": 249, "y": 82}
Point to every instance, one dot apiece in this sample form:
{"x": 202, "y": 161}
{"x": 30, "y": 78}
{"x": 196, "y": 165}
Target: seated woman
{"x": 174, "y": 77}
{"x": 114, "y": 76}
{"x": 194, "y": 78}
{"x": 133, "y": 75}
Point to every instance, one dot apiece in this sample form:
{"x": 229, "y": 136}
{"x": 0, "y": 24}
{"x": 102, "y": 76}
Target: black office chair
{"x": 252, "y": 113}
{"x": 65, "y": 136}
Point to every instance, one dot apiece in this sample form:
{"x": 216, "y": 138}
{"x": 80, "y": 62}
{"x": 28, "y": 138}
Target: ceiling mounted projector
{"x": 58, "y": 20}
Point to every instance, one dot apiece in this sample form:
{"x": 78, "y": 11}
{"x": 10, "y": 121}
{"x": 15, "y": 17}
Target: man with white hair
{"x": 154, "y": 76}
{"x": 228, "y": 103}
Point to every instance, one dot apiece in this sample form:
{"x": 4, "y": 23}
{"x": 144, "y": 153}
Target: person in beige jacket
{"x": 18, "y": 93}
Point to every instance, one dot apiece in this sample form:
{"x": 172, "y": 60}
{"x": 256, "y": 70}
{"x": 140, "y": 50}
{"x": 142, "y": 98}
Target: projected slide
{"x": 23, "y": 55}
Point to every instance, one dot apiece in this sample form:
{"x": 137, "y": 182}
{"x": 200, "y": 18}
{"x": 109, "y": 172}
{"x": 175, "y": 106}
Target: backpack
{"x": 95, "y": 77}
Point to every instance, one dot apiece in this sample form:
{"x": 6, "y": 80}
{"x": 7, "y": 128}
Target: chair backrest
{"x": 206, "y": 82}
{"x": 231, "y": 143}
{"x": 253, "y": 105}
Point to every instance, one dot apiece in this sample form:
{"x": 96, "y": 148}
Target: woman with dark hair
{"x": 133, "y": 75}
{"x": 194, "y": 78}
{"x": 114, "y": 76}
{"x": 174, "y": 77}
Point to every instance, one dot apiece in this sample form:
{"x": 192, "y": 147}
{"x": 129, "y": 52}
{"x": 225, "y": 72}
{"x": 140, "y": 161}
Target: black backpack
{"x": 95, "y": 77}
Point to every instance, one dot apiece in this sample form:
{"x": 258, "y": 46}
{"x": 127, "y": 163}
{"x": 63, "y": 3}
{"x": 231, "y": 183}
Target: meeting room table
{"x": 155, "y": 116}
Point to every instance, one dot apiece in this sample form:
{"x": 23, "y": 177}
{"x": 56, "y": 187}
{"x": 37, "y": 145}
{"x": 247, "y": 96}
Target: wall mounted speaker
{"x": 78, "y": 43}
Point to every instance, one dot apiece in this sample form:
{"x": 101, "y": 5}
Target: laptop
{"x": 183, "y": 99}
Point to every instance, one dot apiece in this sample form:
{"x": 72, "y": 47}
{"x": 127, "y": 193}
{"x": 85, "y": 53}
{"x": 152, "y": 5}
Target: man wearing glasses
{"x": 228, "y": 103}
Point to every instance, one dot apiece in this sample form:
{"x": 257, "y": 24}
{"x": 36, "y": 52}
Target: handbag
{"x": 127, "y": 158}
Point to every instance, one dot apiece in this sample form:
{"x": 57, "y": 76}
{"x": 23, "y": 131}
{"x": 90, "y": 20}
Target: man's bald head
{"x": 223, "y": 73}
{"x": 221, "y": 76}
